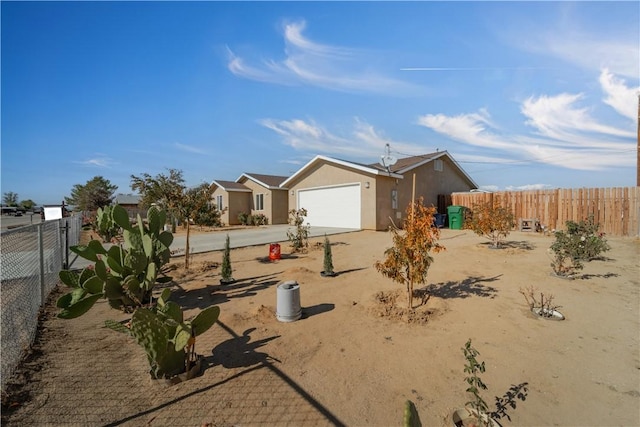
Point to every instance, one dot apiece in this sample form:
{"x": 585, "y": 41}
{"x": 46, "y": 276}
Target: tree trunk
{"x": 186, "y": 251}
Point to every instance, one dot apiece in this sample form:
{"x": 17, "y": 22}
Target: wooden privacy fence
{"x": 615, "y": 209}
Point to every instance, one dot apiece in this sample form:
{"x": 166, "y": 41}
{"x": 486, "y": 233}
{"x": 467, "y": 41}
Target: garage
{"x": 336, "y": 206}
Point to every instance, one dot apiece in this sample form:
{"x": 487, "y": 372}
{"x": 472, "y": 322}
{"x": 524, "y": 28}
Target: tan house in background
{"x": 231, "y": 199}
{"x": 131, "y": 203}
{"x": 251, "y": 194}
{"x": 338, "y": 193}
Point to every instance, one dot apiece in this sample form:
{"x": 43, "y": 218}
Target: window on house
{"x": 394, "y": 199}
{"x": 219, "y": 202}
{"x": 437, "y": 165}
{"x": 259, "y": 202}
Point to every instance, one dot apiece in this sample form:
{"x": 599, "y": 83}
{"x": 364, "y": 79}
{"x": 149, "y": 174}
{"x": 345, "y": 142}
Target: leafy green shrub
{"x": 207, "y": 218}
{"x": 259, "y": 219}
{"x": 591, "y": 241}
{"x": 474, "y": 368}
{"x": 581, "y": 242}
{"x": 243, "y": 218}
{"x": 565, "y": 261}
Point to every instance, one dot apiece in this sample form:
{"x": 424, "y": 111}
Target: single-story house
{"x": 131, "y": 203}
{"x": 339, "y": 193}
{"x": 252, "y": 194}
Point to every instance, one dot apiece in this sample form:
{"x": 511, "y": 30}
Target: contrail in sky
{"x": 468, "y": 68}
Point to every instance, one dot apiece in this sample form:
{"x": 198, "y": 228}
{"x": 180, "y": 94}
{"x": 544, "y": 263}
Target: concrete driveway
{"x": 214, "y": 241}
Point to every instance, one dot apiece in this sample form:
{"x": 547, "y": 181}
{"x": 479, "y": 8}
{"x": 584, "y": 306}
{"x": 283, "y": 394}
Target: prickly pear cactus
{"x": 154, "y": 337}
{"x": 126, "y": 275}
{"x": 104, "y": 225}
{"x": 123, "y": 274}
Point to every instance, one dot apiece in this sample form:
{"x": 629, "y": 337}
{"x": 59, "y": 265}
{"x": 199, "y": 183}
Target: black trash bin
{"x": 440, "y": 220}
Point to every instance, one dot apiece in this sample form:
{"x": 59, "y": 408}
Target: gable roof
{"x": 398, "y": 170}
{"x": 406, "y": 164}
{"x": 357, "y": 166}
{"x": 231, "y": 186}
{"x": 271, "y": 182}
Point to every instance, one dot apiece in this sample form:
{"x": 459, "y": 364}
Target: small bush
{"x": 591, "y": 242}
{"x": 565, "y": 261}
{"x": 491, "y": 221}
{"x": 243, "y": 218}
{"x": 581, "y": 242}
{"x": 207, "y": 218}
{"x": 259, "y": 219}
{"x": 299, "y": 238}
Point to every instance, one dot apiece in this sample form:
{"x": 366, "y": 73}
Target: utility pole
{"x": 638, "y": 147}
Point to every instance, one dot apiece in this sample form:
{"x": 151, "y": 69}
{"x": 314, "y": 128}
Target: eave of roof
{"x": 356, "y": 166}
{"x": 231, "y": 186}
{"x": 272, "y": 182}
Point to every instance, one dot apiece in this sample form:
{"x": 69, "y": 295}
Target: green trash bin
{"x": 456, "y": 217}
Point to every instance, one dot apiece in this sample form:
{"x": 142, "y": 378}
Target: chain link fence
{"x": 31, "y": 257}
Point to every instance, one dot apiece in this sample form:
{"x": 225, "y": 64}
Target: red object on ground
{"x": 274, "y": 251}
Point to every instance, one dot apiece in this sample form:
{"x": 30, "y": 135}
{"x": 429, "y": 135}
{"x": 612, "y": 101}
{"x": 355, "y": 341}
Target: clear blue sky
{"x": 523, "y": 95}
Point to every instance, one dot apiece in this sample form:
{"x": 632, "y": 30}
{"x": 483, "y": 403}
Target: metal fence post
{"x": 66, "y": 245}
{"x": 43, "y": 297}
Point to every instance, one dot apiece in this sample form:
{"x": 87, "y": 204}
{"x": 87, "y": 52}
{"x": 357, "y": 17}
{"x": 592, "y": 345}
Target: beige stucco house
{"x": 251, "y": 194}
{"x": 338, "y": 193}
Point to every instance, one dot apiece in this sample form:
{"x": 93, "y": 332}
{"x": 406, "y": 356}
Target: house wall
{"x": 275, "y": 202}
{"x": 385, "y": 212}
{"x": 280, "y": 207}
{"x": 326, "y": 175}
{"x": 430, "y": 183}
{"x": 233, "y": 203}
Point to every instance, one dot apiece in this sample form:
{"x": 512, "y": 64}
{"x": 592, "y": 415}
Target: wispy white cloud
{"x": 559, "y": 118}
{"x": 529, "y": 187}
{"x": 563, "y": 134}
{"x": 307, "y": 62}
{"x": 189, "y": 148}
{"x": 100, "y": 161}
{"x": 619, "y": 96}
{"x": 576, "y": 43}
{"x": 362, "y": 141}
{"x": 619, "y": 55}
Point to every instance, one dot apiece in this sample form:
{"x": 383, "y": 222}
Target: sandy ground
{"x": 343, "y": 362}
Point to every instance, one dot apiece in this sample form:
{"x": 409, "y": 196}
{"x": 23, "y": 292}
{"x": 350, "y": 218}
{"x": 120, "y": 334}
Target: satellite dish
{"x": 387, "y": 159}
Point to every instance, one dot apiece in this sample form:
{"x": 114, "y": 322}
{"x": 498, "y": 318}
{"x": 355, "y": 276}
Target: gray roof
{"x": 268, "y": 181}
{"x": 127, "y": 199}
{"x": 230, "y": 185}
{"x": 408, "y": 163}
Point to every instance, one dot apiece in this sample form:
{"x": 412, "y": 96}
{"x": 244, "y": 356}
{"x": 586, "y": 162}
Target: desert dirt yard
{"x": 350, "y": 360}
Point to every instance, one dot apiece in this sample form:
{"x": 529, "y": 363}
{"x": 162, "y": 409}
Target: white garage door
{"x": 332, "y": 206}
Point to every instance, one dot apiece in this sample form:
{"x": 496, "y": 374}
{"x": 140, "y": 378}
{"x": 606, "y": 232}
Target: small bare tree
{"x": 408, "y": 260}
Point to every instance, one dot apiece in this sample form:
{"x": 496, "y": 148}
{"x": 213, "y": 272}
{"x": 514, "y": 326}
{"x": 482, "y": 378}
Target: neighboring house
{"x": 268, "y": 197}
{"x": 251, "y": 194}
{"x": 338, "y": 193}
{"x": 131, "y": 203}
